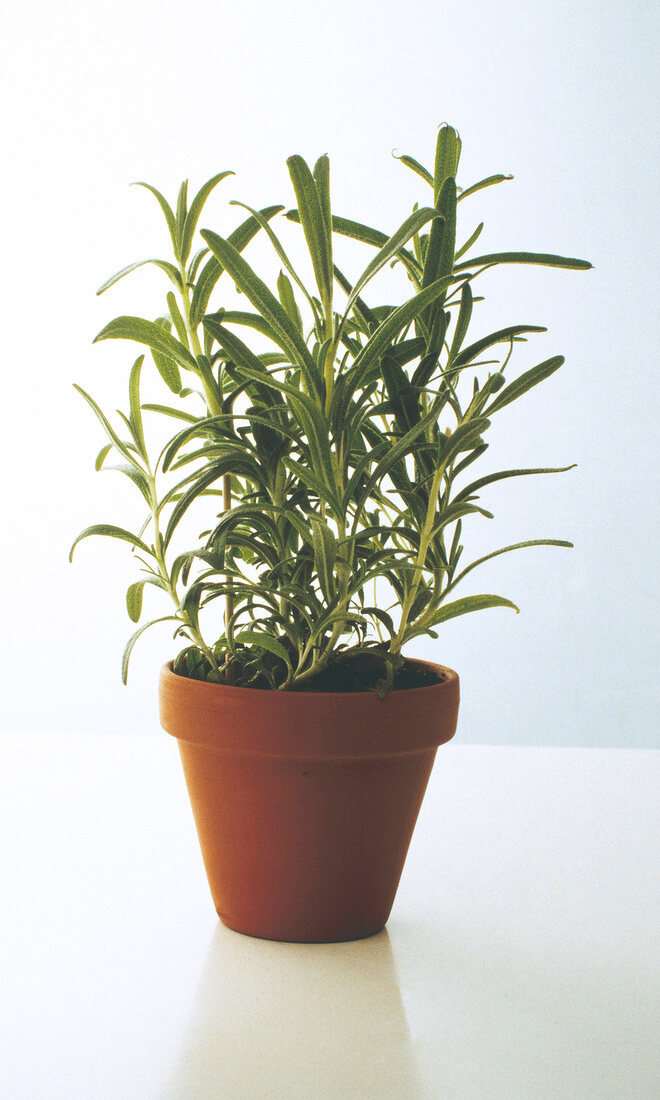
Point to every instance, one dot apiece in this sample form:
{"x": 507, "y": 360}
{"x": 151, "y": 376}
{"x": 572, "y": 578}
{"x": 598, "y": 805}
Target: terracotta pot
{"x": 305, "y": 803}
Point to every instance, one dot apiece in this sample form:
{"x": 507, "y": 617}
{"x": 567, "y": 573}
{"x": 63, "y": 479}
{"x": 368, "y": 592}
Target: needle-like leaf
{"x": 149, "y": 333}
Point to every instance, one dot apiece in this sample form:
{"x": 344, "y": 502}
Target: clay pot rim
{"x": 309, "y": 725}
{"x": 232, "y": 690}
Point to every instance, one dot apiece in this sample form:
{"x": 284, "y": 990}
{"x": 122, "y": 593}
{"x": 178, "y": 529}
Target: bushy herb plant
{"x": 334, "y": 496}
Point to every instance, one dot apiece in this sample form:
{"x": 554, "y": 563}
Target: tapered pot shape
{"x": 305, "y": 803}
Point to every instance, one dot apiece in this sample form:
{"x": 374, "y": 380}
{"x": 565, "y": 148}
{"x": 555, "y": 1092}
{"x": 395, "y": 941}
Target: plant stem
{"x": 167, "y": 580}
{"x": 214, "y": 410}
{"x": 229, "y": 599}
{"x": 424, "y": 541}
{"x": 277, "y": 497}
{"x": 323, "y": 659}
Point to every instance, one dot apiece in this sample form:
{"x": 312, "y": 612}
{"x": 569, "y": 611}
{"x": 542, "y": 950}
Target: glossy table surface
{"x": 518, "y": 960}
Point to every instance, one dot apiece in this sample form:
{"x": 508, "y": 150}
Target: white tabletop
{"x": 518, "y": 960}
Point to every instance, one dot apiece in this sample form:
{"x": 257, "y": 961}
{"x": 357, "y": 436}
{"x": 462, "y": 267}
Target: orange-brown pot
{"x": 305, "y": 803}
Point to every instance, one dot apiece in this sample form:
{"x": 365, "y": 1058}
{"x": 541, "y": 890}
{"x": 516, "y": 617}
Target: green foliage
{"x": 326, "y": 467}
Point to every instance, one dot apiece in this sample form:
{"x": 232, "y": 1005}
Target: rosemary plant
{"x": 332, "y": 465}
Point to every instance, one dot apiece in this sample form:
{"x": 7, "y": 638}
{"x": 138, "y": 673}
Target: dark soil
{"x": 363, "y": 672}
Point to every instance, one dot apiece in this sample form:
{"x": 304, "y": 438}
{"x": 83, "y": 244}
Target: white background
{"x": 96, "y": 96}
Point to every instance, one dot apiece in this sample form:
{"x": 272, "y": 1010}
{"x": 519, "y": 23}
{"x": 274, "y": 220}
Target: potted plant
{"x": 324, "y": 444}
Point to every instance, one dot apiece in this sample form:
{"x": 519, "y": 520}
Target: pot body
{"x": 305, "y": 803}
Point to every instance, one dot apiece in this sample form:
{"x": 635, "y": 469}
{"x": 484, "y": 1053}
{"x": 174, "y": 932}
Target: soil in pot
{"x": 363, "y": 672}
